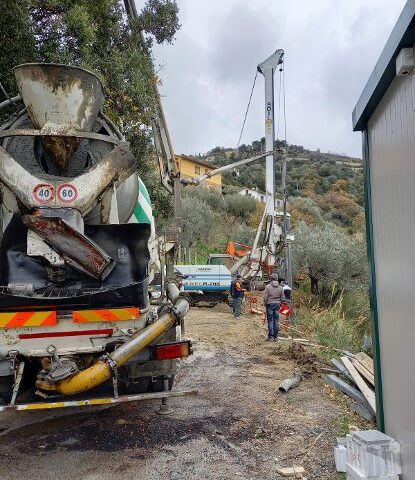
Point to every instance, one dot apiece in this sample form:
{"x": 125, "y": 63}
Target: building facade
{"x": 190, "y": 168}
{"x": 260, "y": 197}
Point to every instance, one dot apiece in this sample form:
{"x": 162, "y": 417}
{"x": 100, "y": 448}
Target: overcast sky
{"x": 331, "y": 46}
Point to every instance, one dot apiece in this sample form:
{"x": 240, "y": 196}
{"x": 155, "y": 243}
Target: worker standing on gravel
{"x": 287, "y": 289}
{"x": 237, "y": 293}
{"x": 273, "y": 297}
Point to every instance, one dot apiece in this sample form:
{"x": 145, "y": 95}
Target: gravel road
{"x": 239, "y": 426}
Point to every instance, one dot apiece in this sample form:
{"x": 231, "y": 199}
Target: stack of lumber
{"x": 354, "y": 376}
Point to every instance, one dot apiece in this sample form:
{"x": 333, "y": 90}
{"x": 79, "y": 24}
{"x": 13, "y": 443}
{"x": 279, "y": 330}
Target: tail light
{"x": 169, "y": 351}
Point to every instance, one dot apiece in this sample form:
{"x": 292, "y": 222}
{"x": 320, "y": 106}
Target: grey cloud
{"x": 331, "y": 47}
{"x": 239, "y": 41}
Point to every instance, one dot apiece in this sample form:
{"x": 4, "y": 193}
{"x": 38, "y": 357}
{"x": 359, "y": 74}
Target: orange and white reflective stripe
{"x": 27, "y": 319}
{"x": 106, "y": 315}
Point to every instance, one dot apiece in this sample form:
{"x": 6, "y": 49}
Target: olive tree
{"x": 240, "y": 206}
{"x": 197, "y": 220}
{"x": 332, "y": 260}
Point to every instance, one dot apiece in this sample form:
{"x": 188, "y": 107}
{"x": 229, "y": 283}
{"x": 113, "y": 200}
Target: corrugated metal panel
{"x": 391, "y": 133}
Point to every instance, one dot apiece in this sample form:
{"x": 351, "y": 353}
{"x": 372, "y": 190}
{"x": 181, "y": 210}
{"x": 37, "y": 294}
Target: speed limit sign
{"x": 67, "y": 193}
{"x": 44, "y": 193}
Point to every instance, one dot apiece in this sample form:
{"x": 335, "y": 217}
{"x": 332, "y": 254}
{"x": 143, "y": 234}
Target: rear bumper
{"x": 97, "y": 401}
{"x": 68, "y": 333}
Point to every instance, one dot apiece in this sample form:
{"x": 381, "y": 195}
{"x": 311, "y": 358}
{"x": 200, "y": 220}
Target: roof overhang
{"x": 196, "y": 161}
{"x": 403, "y": 35}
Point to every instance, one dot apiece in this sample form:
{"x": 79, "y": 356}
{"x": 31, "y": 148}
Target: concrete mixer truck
{"x": 75, "y": 262}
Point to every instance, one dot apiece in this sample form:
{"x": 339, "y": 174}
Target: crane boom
{"x": 198, "y": 180}
{"x": 169, "y": 169}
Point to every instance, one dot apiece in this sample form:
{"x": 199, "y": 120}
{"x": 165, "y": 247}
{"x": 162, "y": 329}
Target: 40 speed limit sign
{"x": 44, "y": 193}
{"x": 67, "y": 193}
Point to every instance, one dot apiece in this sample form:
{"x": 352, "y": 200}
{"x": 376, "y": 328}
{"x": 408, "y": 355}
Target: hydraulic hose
{"x": 101, "y": 371}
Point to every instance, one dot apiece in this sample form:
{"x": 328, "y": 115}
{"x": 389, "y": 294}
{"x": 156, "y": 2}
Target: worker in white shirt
{"x": 287, "y": 289}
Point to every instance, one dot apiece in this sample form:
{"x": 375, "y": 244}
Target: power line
{"x": 247, "y": 109}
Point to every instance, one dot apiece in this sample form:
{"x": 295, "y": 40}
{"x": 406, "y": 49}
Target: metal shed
{"x": 385, "y": 113}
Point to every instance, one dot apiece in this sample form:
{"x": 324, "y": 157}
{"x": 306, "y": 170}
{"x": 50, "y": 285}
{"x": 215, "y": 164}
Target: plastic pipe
{"x": 290, "y": 383}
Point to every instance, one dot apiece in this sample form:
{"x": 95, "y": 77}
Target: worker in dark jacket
{"x": 237, "y": 293}
{"x": 273, "y": 297}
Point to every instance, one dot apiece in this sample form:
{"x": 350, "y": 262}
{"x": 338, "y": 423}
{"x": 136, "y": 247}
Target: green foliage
{"x": 17, "y": 42}
{"x": 240, "y": 206}
{"x": 243, "y": 234}
{"x": 331, "y": 327}
{"x": 211, "y": 196}
{"x": 235, "y": 217}
{"x": 160, "y": 18}
{"x": 310, "y": 174}
{"x": 306, "y": 210}
{"x": 332, "y": 260}
{"x": 198, "y": 220}
{"x": 339, "y": 205}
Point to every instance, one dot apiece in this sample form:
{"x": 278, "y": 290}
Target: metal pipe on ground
{"x": 101, "y": 371}
{"x": 290, "y": 383}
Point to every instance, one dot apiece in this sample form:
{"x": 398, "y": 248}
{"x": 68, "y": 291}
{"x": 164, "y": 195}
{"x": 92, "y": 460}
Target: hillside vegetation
{"x": 322, "y": 187}
{"x": 334, "y": 182}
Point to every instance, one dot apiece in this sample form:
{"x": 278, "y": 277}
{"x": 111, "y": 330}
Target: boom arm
{"x": 225, "y": 168}
{"x": 164, "y": 150}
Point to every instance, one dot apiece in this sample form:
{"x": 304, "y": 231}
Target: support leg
{"x": 164, "y": 407}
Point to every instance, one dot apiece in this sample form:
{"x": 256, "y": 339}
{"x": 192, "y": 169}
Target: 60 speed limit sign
{"x": 67, "y": 193}
{"x": 44, "y": 193}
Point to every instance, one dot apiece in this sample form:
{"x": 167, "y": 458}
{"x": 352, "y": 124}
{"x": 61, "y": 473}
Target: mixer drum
{"x": 39, "y": 270}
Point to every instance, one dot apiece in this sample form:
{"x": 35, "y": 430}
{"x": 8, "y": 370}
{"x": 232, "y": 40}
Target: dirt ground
{"x": 238, "y": 426}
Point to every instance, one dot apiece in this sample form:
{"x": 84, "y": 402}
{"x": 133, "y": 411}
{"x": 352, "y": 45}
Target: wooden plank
{"x": 297, "y": 340}
{"x": 368, "y": 393}
{"x": 364, "y": 372}
{"x": 366, "y": 361}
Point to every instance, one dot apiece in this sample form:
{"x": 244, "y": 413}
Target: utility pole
{"x": 267, "y": 68}
{"x": 286, "y": 225}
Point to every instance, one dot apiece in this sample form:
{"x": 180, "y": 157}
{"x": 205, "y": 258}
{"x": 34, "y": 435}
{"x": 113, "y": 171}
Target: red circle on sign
{"x": 44, "y": 193}
{"x": 67, "y": 193}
